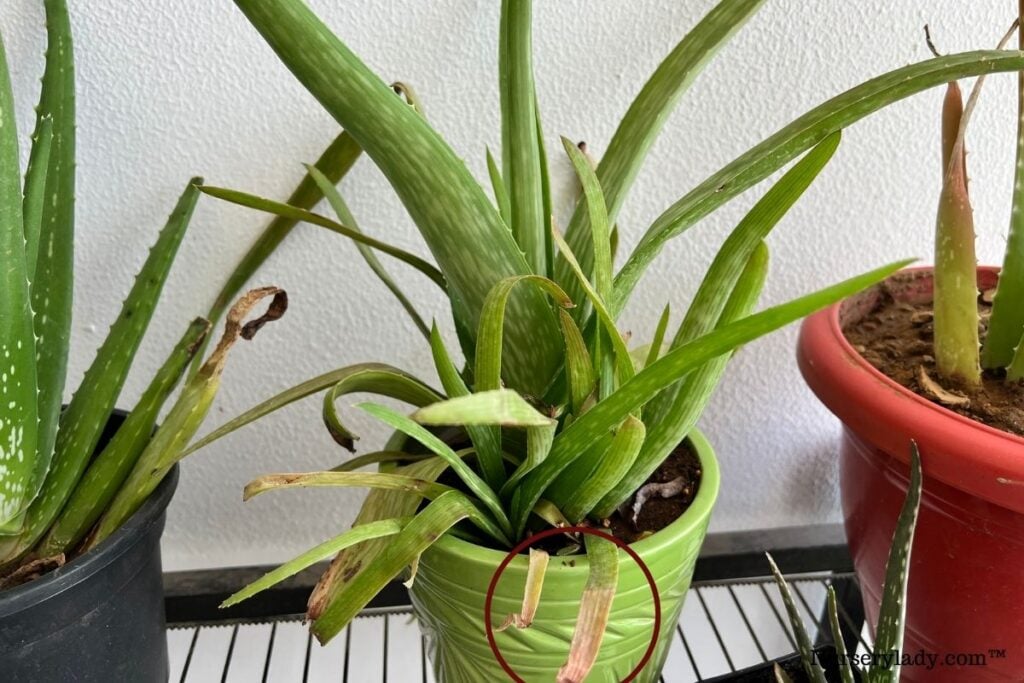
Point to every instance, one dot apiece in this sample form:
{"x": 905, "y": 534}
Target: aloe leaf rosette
{"x": 550, "y": 415}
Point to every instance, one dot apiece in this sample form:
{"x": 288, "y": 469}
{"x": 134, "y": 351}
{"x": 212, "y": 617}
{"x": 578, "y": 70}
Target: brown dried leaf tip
{"x": 235, "y": 325}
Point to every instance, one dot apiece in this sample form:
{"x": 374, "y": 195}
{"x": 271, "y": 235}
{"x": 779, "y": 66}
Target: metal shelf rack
{"x": 732, "y": 619}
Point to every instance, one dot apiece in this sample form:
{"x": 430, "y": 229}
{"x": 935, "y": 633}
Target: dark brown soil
{"x": 896, "y": 338}
{"x": 657, "y": 512}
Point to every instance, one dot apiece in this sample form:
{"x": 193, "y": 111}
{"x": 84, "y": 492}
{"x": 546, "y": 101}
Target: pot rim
{"x": 691, "y": 519}
{"x": 81, "y": 568}
{"x": 961, "y": 452}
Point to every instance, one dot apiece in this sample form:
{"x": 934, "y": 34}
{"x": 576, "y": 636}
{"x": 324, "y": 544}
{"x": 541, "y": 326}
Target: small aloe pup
{"x": 53, "y": 491}
{"x": 886, "y": 656}
{"x": 959, "y": 358}
{"x": 553, "y": 418}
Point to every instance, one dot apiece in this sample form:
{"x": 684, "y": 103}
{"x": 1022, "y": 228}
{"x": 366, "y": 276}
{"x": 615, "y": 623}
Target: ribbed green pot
{"x": 451, "y": 584}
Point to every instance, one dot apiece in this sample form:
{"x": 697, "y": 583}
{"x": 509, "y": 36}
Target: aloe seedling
{"x": 555, "y": 420}
{"x": 886, "y": 655}
{"x": 52, "y": 490}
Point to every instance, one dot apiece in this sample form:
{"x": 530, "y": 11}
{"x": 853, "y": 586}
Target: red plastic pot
{"x": 966, "y": 595}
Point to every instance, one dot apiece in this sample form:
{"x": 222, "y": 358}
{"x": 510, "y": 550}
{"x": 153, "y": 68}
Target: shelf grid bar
{"x": 725, "y": 626}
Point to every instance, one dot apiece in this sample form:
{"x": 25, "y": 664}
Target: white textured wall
{"x": 171, "y": 89}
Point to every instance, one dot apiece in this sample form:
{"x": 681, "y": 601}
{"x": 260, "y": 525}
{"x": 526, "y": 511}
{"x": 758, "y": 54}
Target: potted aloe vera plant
{"x": 936, "y": 354}
{"x": 551, "y": 420}
{"x": 83, "y": 487}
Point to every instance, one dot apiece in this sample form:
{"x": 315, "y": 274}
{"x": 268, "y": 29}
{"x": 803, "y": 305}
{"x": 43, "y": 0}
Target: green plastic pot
{"x": 451, "y": 583}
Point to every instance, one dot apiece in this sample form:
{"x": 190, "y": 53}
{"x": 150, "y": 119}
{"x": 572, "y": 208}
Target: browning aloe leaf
{"x": 168, "y": 445}
{"x": 352, "y": 592}
{"x": 531, "y": 592}
{"x": 355, "y": 535}
{"x": 595, "y": 607}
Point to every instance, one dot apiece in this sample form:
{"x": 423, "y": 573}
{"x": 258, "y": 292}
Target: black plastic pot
{"x": 98, "y": 618}
{"x": 765, "y": 673}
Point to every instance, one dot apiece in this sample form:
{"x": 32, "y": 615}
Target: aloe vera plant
{"x": 53, "y": 492}
{"x": 958, "y": 355}
{"x": 556, "y": 422}
{"x": 886, "y": 657}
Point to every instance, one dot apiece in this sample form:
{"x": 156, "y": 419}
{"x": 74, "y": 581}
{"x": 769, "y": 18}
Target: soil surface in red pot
{"x": 897, "y": 337}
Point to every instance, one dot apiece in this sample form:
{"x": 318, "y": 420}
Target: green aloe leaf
{"x": 497, "y": 408}
{"x": 354, "y": 536}
{"x": 446, "y": 203}
{"x": 579, "y": 367}
{"x": 378, "y": 457}
{"x": 486, "y": 439}
{"x": 1006, "y": 325}
{"x": 501, "y": 407}
{"x": 659, "y": 336}
{"x": 82, "y": 423}
{"x": 289, "y": 396}
{"x": 346, "y": 217}
{"x": 597, "y": 211}
{"x": 670, "y": 428}
{"x": 294, "y": 213}
{"x": 623, "y": 362}
{"x": 501, "y": 198}
{"x": 732, "y": 256}
{"x": 35, "y": 191}
{"x": 520, "y": 149}
{"x": 470, "y": 478}
{"x": 845, "y": 671}
{"x": 892, "y": 613}
{"x": 352, "y": 592}
{"x": 611, "y": 468}
{"x": 53, "y": 274}
{"x": 811, "y": 667}
{"x": 488, "y": 362}
{"x": 380, "y": 380}
{"x": 586, "y": 430}
{"x": 111, "y": 467}
{"x": 646, "y": 117}
{"x": 187, "y": 414}
{"x": 806, "y": 131}
{"x": 682, "y": 405}
{"x": 21, "y": 465}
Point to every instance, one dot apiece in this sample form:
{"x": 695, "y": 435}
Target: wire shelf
{"x": 726, "y": 625}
